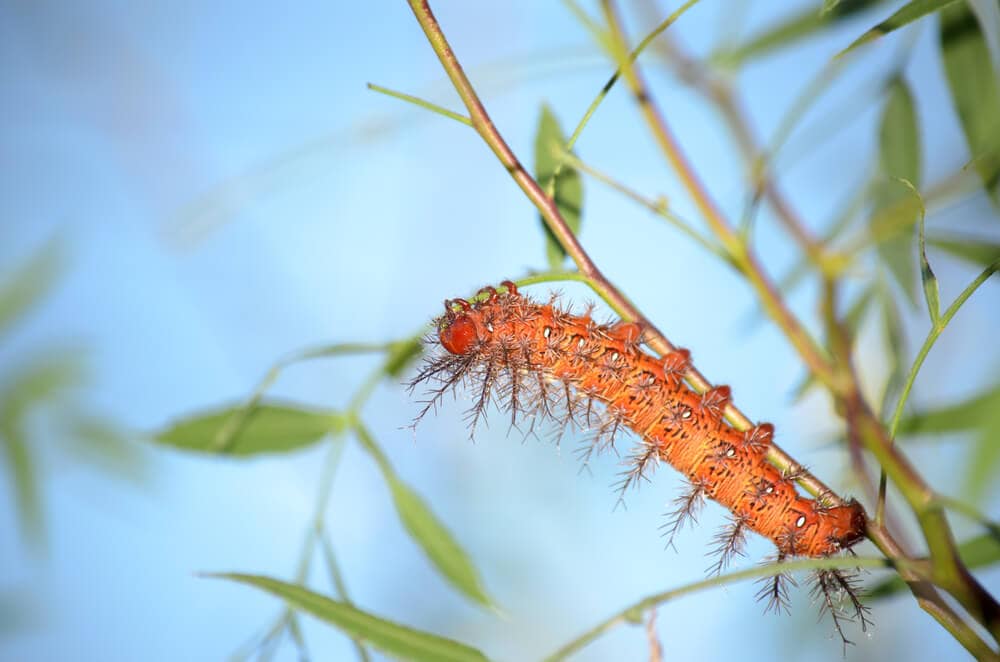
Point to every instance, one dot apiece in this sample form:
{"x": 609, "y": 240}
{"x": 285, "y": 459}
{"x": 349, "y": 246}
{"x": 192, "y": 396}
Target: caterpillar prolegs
{"x": 542, "y": 362}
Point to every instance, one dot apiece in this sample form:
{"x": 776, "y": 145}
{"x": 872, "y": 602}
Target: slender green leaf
{"x": 37, "y": 383}
{"x": 974, "y": 90}
{"x": 101, "y": 442}
{"x": 21, "y": 465}
{"x": 932, "y": 295}
{"x": 853, "y": 319}
{"x": 977, "y": 552}
{"x": 979, "y": 251}
{"x": 28, "y": 284}
{"x": 793, "y": 29}
{"x": 894, "y": 343}
{"x": 984, "y": 459}
{"x": 911, "y": 11}
{"x": 559, "y": 180}
{"x": 269, "y": 428}
{"x": 427, "y": 530}
{"x": 397, "y": 640}
{"x": 401, "y": 355}
{"x": 962, "y": 416}
{"x": 988, "y": 14}
{"x": 897, "y": 202}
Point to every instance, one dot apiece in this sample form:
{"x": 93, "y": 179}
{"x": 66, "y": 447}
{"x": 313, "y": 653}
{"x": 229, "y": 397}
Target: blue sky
{"x": 227, "y": 191}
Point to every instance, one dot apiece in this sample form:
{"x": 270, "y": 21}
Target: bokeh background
{"x": 215, "y": 187}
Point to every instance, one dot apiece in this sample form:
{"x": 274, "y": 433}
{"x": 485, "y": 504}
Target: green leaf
{"x": 911, "y": 11}
{"x": 984, "y": 459}
{"x": 894, "y": 342}
{"x": 39, "y": 382}
{"x": 397, "y": 640}
{"x": 401, "y": 354}
{"x": 977, "y": 552}
{"x": 28, "y": 284}
{"x": 829, "y": 6}
{"x": 897, "y": 203}
{"x": 101, "y": 442}
{"x": 978, "y": 251}
{"x": 974, "y": 90}
{"x": 962, "y": 416}
{"x": 267, "y": 428}
{"x": 560, "y": 181}
{"x": 21, "y": 464}
{"x": 792, "y": 30}
{"x": 932, "y": 295}
{"x": 427, "y": 530}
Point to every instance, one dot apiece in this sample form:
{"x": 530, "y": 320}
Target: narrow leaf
{"x": 397, "y": 640}
{"x": 897, "y": 201}
{"x": 958, "y": 417}
{"x": 21, "y": 466}
{"x": 979, "y": 251}
{"x": 984, "y": 459}
{"x": 792, "y": 30}
{"x": 268, "y": 428}
{"x": 894, "y": 341}
{"x": 974, "y": 90}
{"x": 932, "y": 295}
{"x": 401, "y": 354}
{"x": 427, "y": 530}
{"x": 560, "y": 181}
{"x": 101, "y": 442}
{"x": 38, "y": 383}
{"x": 911, "y": 11}
{"x": 28, "y": 284}
{"x": 988, "y": 14}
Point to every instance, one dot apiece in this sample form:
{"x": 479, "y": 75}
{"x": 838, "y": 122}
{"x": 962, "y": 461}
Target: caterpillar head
{"x": 458, "y": 333}
{"x": 846, "y": 525}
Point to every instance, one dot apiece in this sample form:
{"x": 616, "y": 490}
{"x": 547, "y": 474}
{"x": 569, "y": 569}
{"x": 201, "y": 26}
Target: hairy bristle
{"x": 838, "y": 592}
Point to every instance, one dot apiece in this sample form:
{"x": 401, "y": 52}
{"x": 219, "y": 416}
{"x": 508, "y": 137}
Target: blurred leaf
{"x": 977, "y": 552}
{"x": 37, "y": 383}
{"x": 559, "y": 180}
{"x": 392, "y": 638}
{"x": 978, "y": 251}
{"x": 852, "y": 320}
{"x": 911, "y": 11}
{"x": 988, "y": 14}
{"x": 894, "y": 343}
{"x": 29, "y": 283}
{"x": 101, "y": 442}
{"x": 793, "y": 29}
{"x": 268, "y": 428}
{"x": 829, "y": 6}
{"x": 25, "y": 482}
{"x": 959, "y": 417}
{"x": 427, "y": 530}
{"x": 984, "y": 460}
{"x": 899, "y": 135}
{"x": 974, "y": 90}
{"x": 401, "y": 355}
{"x": 898, "y": 205}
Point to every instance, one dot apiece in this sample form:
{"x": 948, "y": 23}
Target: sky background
{"x": 226, "y": 190}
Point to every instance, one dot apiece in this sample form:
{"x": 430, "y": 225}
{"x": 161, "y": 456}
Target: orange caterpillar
{"x": 546, "y": 362}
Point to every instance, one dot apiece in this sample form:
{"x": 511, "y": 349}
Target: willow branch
{"x": 484, "y": 126}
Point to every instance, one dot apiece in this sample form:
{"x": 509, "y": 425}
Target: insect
{"x": 539, "y": 361}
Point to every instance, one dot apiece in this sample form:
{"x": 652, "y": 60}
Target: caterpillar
{"x": 543, "y": 362}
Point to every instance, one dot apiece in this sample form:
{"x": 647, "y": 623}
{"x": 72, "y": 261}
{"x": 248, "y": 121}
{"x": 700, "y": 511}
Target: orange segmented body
{"x": 537, "y": 357}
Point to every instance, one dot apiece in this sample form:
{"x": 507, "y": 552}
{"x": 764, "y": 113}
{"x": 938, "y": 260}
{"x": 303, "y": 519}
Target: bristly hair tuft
{"x": 838, "y": 592}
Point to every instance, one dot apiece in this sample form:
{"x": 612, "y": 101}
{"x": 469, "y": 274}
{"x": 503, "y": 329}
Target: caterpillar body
{"x": 540, "y": 361}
